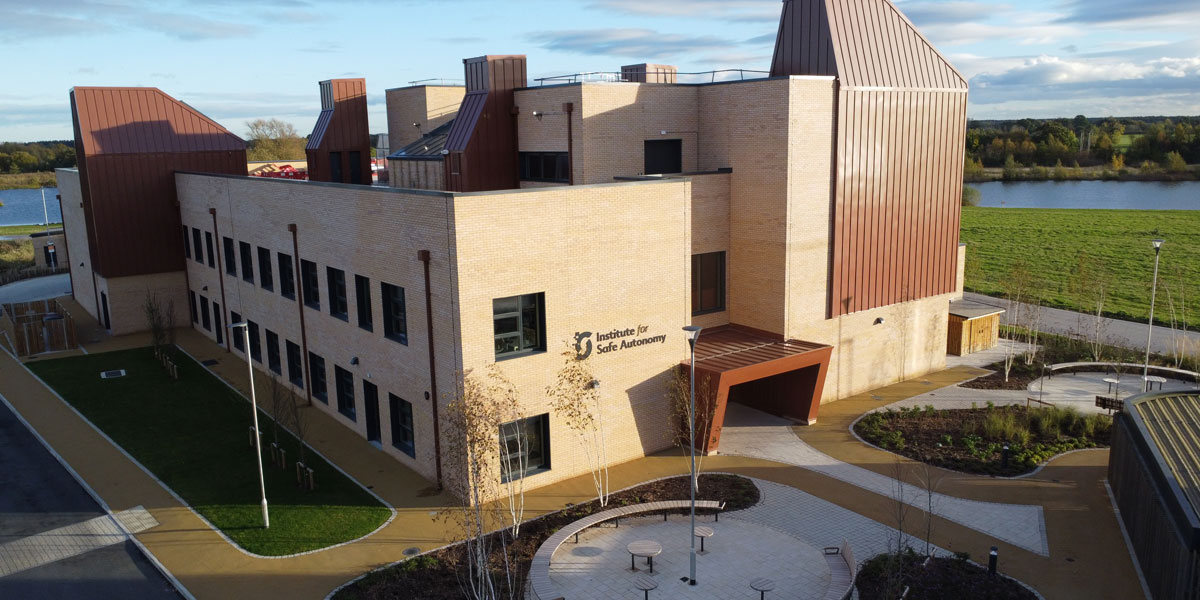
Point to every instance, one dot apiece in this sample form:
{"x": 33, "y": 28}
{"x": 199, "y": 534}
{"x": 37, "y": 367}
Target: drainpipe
{"x": 221, "y": 277}
{"x": 569, "y": 107}
{"x": 299, "y": 291}
{"x": 423, "y": 255}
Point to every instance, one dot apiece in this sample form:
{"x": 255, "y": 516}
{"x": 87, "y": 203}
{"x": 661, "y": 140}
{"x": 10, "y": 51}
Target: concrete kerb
{"x": 179, "y": 587}
{"x": 184, "y": 503}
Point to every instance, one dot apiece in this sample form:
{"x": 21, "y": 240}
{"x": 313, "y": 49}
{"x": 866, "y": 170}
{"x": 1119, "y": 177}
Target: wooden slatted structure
{"x": 39, "y": 326}
{"x": 973, "y": 327}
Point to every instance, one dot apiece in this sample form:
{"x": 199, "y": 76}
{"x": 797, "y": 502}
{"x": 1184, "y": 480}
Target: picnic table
{"x": 646, "y": 548}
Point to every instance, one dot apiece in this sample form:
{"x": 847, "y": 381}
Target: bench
{"x": 539, "y": 568}
{"x": 1072, "y": 367}
{"x": 842, "y": 570}
{"x": 1109, "y": 403}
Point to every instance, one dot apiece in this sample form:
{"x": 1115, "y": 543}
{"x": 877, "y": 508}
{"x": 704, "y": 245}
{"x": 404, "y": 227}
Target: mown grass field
{"x": 26, "y": 229}
{"x": 193, "y": 434}
{"x": 1051, "y": 242}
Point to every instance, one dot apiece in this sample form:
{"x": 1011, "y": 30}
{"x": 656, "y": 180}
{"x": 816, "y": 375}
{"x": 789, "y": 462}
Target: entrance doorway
{"x": 788, "y": 394}
{"x": 104, "y": 310}
{"x": 371, "y": 405}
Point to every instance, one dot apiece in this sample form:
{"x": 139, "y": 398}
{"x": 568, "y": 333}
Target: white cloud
{"x": 635, "y": 43}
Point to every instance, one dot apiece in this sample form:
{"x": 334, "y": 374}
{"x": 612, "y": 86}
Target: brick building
{"x": 808, "y": 220}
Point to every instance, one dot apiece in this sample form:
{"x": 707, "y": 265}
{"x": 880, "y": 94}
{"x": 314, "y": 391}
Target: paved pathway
{"x": 748, "y": 432}
{"x": 54, "y": 545}
{"x": 1129, "y": 334}
{"x": 38, "y": 288}
{"x": 1079, "y": 390}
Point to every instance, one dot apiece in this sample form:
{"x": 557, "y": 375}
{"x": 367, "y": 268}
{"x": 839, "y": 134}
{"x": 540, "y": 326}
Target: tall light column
{"x": 262, "y": 488}
{"x": 693, "y": 333}
{"x": 1150, "y": 326}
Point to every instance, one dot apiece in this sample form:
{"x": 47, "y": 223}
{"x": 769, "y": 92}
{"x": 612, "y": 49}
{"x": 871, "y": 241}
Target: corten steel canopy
{"x": 789, "y": 375}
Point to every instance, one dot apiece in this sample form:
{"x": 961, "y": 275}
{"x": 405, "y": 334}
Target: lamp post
{"x": 693, "y": 333}
{"x": 1150, "y": 326}
{"x": 262, "y": 488}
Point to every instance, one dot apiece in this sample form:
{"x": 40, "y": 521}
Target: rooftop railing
{"x": 680, "y": 77}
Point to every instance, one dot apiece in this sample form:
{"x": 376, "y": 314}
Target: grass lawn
{"x": 26, "y": 229}
{"x": 1050, "y": 242}
{"x": 15, "y": 254}
{"x": 193, "y": 434}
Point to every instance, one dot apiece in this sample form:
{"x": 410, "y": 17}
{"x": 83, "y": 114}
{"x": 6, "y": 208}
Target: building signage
{"x": 612, "y": 341}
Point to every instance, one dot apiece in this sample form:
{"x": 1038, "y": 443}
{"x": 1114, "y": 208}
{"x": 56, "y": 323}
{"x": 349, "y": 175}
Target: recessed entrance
{"x": 788, "y": 395}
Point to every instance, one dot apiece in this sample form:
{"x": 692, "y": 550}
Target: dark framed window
{"x": 295, "y": 369}
{"x": 343, "y": 380}
{"x": 524, "y": 447}
{"x": 544, "y": 166}
{"x": 708, "y": 282}
{"x": 362, "y": 301}
{"x": 208, "y": 245}
{"x": 519, "y": 325}
{"x": 239, "y": 342}
{"x": 230, "y": 256}
{"x": 395, "y": 315}
{"x": 187, "y": 244}
{"x": 199, "y": 254}
{"x": 336, "y": 278}
{"x": 273, "y": 359}
{"x": 264, "y": 269}
{"x": 247, "y": 262}
{"x": 335, "y": 167}
{"x": 316, "y": 370}
{"x": 309, "y": 286}
{"x": 204, "y": 320}
{"x": 255, "y": 343}
{"x": 287, "y": 279}
{"x": 192, "y": 306}
{"x": 217, "y": 328}
{"x": 663, "y": 156}
{"x": 400, "y": 413}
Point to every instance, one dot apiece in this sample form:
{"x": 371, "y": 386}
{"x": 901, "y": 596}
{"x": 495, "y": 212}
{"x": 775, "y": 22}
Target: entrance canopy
{"x": 767, "y": 372}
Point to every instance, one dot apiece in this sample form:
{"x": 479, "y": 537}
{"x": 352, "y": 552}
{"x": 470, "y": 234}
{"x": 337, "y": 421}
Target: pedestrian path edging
{"x": 179, "y": 587}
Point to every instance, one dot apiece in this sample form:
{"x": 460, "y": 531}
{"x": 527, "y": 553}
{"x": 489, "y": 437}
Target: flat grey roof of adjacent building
{"x": 968, "y": 309}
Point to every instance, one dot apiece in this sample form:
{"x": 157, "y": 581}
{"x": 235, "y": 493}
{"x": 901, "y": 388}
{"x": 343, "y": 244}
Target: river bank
{"x": 1096, "y": 173}
{"x": 27, "y": 181}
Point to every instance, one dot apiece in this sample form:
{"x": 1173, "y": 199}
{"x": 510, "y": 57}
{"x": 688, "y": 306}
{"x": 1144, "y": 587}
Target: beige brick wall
{"x": 429, "y": 105}
{"x": 549, "y": 134}
{"x": 60, "y": 249}
{"x": 127, "y": 299}
{"x": 417, "y": 174}
{"x": 75, "y": 227}
{"x": 710, "y": 229}
{"x": 588, "y": 256}
{"x": 370, "y": 231}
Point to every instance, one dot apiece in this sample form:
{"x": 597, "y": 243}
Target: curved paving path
{"x": 748, "y": 432}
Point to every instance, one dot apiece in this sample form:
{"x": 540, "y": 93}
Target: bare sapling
{"x": 679, "y": 396}
{"x": 575, "y": 397}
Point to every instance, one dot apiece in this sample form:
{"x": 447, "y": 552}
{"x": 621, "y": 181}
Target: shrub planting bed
{"x": 972, "y": 440}
{"x": 437, "y": 575}
{"x": 885, "y": 576}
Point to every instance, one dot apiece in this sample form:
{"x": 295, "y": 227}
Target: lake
{"x": 24, "y": 207}
{"x": 1140, "y": 195}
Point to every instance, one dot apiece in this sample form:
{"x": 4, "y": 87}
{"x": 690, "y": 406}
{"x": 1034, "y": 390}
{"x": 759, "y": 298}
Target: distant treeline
{"x": 36, "y": 156}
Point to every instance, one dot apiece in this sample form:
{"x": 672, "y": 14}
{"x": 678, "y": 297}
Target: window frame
{"x": 218, "y": 329}
{"x": 264, "y": 270}
{"x": 208, "y": 245}
{"x": 255, "y": 342}
{"x": 391, "y": 317}
{"x": 197, "y": 249}
{"x": 230, "y": 256}
{"x": 362, "y": 302}
{"x": 398, "y": 409}
{"x": 205, "y": 317}
{"x": 698, "y": 283}
{"x": 335, "y": 282}
{"x": 343, "y": 383}
{"x": 310, "y": 286}
{"x": 537, "y": 423}
{"x": 287, "y": 276}
{"x": 274, "y": 360}
{"x": 319, "y": 377}
{"x": 187, "y": 243}
{"x": 239, "y": 342}
{"x": 522, "y": 349}
{"x": 295, "y": 364}
{"x": 526, "y": 162}
{"x": 193, "y": 306}
{"x": 247, "y": 262}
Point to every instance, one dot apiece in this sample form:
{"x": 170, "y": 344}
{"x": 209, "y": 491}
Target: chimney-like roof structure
{"x": 339, "y": 148}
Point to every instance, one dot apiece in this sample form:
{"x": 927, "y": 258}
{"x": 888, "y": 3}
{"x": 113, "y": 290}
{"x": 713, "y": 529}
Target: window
{"x": 708, "y": 282}
{"x": 287, "y": 280}
{"x": 518, "y": 325}
{"x": 187, "y": 246}
{"x": 238, "y": 341}
{"x": 192, "y": 306}
{"x": 217, "y": 328}
{"x": 544, "y": 166}
{"x": 247, "y": 262}
{"x": 362, "y": 301}
{"x": 355, "y": 166}
{"x": 255, "y": 344}
{"x": 663, "y": 156}
{"x": 344, "y": 381}
{"x": 204, "y": 321}
{"x": 208, "y": 245}
{"x": 402, "y": 424}
{"x": 199, "y": 254}
{"x": 524, "y": 447}
{"x": 295, "y": 370}
{"x": 335, "y": 167}
{"x": 308, "y": 279}
{"x": 395, "y": 317}
{"x": 316, "y": 369}
{"x": 337, "y": 293}
{"x": 230, "y": 258}
{"x": 273, "y": 362}
{"x": 264, "y": 269}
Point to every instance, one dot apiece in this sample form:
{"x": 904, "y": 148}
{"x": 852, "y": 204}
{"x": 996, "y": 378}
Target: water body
{"x": 24, "y": 207}
{"x": 1139, "y": 195}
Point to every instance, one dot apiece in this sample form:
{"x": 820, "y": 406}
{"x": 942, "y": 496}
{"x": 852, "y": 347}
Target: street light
{"x": 262, "y": 488}
{"x": 693, "y": 333}
{"x": 1150, "y": 326}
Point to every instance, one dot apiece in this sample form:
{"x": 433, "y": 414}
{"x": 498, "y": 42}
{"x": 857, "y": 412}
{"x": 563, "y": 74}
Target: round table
{"x": 762, "y": 585}
{"x": 646, "y": 548}
{"x": 1111, "y": 381}
{"x": 645, "y": 584}
{"x": 702, "y": 532}
{"x": 1153, "y": 379}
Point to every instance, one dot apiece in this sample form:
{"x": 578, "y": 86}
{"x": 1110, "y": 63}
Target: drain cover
{"x": 112, "y": 374}
{"x": 412, "y": 551}
{"x": 874, "y": 397}
{"x": 210, "y": 362}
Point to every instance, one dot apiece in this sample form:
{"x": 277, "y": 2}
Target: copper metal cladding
{"x": 900, "y": 143}
{"x": 340, "y": 132}
{"x": 482, "y": 145}
{"x": 129, "y": 142}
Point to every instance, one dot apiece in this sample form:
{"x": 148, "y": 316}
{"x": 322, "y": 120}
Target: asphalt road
{"x": 38, "y": 495}
{"x": 38, "y": 288}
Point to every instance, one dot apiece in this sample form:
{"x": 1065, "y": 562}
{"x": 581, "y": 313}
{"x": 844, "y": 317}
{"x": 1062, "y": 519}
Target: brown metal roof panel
{"x": 464, "y": 123}
{"x": 143, "y": 120}
{"x": 318, "y": 133}
{"x": 1170, "y": 424}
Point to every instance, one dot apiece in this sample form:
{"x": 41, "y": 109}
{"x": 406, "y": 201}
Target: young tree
{"x": 278, "y": 399}
{"x": 298, "y": 420}
{"x": 1089, "y": 286}
{"x": 1015, "y": 288}
{"x": 575, "y": 397}
{"x": 156, "y": 322}
{"x": 679, "y": 397}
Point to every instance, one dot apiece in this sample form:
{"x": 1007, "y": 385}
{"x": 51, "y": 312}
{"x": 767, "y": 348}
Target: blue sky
{"x": 238, "y": 61}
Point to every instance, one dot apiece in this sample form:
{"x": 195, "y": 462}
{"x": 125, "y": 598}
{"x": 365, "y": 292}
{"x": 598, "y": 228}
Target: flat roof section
{"x": 973, "y": 310}
{"x": 731, "y": 348}
{"x": 1170, "y": 426}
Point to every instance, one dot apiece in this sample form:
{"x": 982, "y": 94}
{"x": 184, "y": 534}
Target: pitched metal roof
{"x": 115, "y": 120}
{"x": 730, "y": 348}
{"x": 318, "y": 132}
{"x": 464, "y": 123}
{"x": 1170, "y": 424}
{"x": 427, "y": 146}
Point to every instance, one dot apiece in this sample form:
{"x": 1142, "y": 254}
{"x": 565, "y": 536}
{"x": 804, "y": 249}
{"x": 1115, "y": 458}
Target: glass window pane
{"x": 506, "y": 305}
{"x": 506, "y": 325}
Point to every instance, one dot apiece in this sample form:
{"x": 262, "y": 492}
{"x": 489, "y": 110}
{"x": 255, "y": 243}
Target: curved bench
{"x": 842, "y": 570}
{"x": 539, "y": 568}
{"x": 1105, "y": 366}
